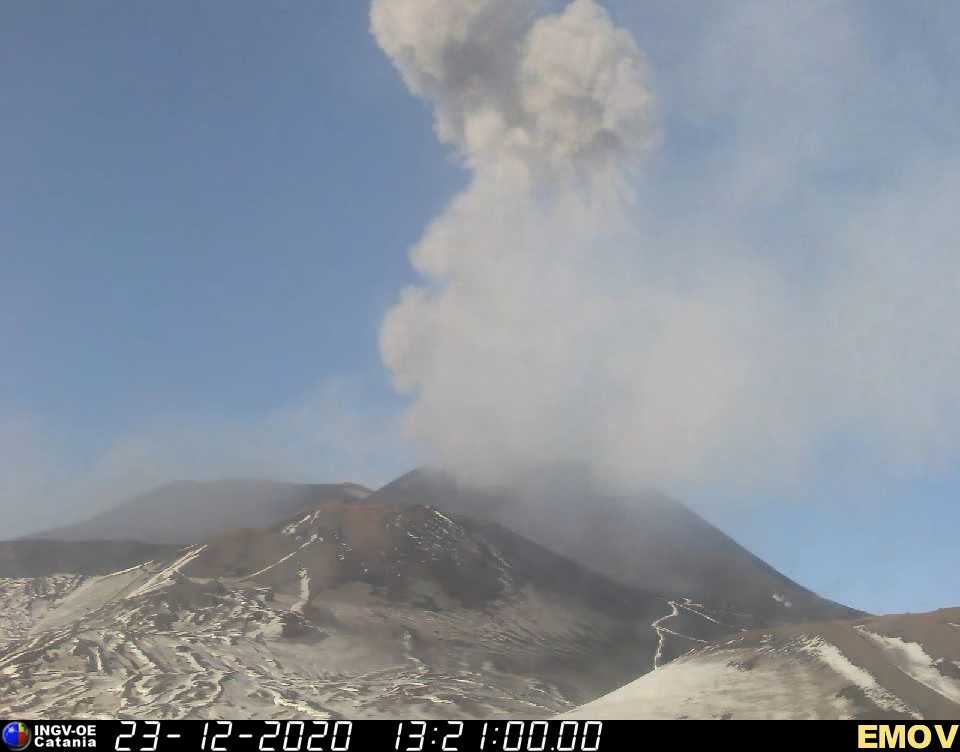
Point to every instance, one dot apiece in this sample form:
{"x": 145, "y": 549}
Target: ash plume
{"x": 570, "y": 313}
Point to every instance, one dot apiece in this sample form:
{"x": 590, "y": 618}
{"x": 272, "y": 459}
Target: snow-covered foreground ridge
{"x": 904, "y": 666}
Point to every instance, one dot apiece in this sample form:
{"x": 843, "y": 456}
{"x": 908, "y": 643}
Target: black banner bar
{"x": 471, "y": 736}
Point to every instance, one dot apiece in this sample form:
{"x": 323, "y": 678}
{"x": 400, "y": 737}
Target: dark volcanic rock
{"x": 650, "y": 542}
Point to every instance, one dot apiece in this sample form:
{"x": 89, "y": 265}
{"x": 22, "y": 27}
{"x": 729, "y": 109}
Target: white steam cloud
{"x": 569, "y": 314}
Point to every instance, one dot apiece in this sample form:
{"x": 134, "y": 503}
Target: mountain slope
{"x": 191, "y": 511}
{"x": 414, "y": 600}
{"x": 651, "y": 542}
{"x": 905, "y": 666}
{"x": 362, "y": 610}
{"x": 40, "y": 558}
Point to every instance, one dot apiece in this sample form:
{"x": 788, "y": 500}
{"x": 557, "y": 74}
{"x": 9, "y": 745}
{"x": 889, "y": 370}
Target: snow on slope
{"x": 904, "y": 666}
{"x": 859, "y": 678}
{"x": 912, "y": 659}
{"x": 702, "y": 688}
{"x": 351, "y": 610}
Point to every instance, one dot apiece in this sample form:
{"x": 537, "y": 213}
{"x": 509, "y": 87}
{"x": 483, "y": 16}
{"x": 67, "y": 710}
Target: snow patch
{"x": 683, "y": 636}
{"x": 661, "y": 630}
{"x": 657, "y": 657}
{"x": 304, "y": 711}
{"x": 304, "y": 576}
{"x": 913, "y": 660}
{"x": 162, "y": 578}
{"x": 781, "y": 599}
{"x": 271, "y": 566}
{"x": 687, "y": 603}
{"x": 128, "y": 570}
{"x": 713, "y": 686}
{"x": 292, "y": 528}
{"x": 834, "y": 658}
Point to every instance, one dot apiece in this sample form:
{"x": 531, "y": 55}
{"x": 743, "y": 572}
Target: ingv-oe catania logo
{"x": 16, "y": 736}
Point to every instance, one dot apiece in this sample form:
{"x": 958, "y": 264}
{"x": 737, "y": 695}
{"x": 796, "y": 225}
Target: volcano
{"x": 650, "y": 542}
{"x": 425, "y": 598}
{"x": 191, "y": 511}
{"x": 346, "y": 610}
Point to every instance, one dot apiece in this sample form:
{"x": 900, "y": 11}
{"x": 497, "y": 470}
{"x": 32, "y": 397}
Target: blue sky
{"x": 192, "y": 194}
{"x": 206, "y": 211}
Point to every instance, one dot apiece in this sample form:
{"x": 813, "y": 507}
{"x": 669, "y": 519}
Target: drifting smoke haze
{"x": 330, "y": 432}
{"x": 566, "y": 315}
